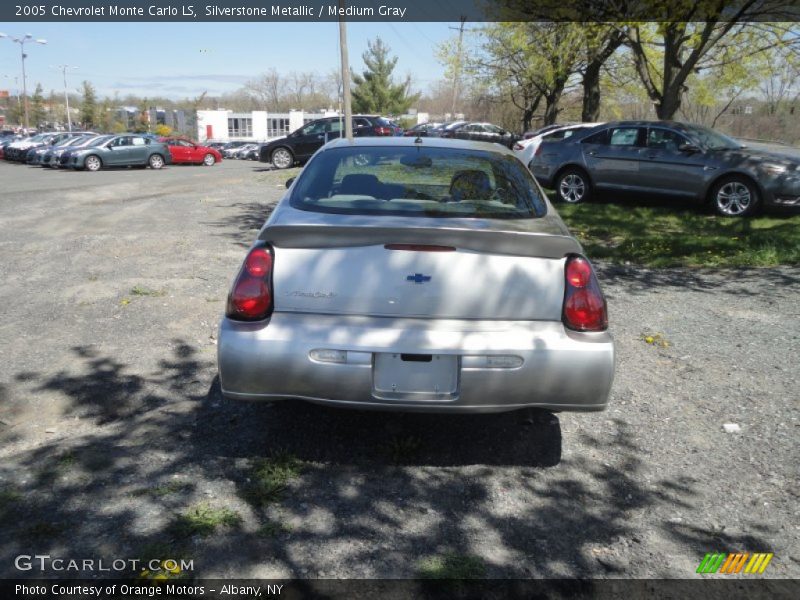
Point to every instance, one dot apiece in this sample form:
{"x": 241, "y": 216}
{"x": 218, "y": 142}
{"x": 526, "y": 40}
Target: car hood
{"x": 275, "y": 141}
{"x": 791, "y": 158}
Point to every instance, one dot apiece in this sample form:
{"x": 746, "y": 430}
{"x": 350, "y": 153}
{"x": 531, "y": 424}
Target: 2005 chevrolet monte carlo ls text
{"x": 417, "y": 275}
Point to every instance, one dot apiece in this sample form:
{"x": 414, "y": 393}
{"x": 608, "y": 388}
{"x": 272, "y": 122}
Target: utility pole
{"x": 22, "y": 40}
{"x": 348, "y": 110}
{"x": 457, "y": 71}
{"x": 66, "y": 94}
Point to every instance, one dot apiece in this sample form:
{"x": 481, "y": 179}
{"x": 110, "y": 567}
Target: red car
{"x": 184, "y": 151}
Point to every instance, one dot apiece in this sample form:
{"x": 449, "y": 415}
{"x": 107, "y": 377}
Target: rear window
{"x": 417, "y": 181}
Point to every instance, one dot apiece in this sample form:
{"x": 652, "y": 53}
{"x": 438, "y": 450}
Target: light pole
{"x": 22, "y": 40}
{"x": 66, "y": 94}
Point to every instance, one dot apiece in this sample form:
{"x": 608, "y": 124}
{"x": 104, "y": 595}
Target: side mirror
{"x": 289, "y": 182}
{"x": 689, "y": 148}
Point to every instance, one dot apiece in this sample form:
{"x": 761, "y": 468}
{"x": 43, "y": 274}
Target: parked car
{"x": 422, "y": 130}
{"x": 120, "y": 151}
{"x": 231, "y": 148}
{"x": 433, "y": 277}
{"x": 300, "y": 145}
{"x": 52, "y": 158}
{"x": 525, "y": 149}
{"x": 529, "y": 134}
{"x": 671, "y": 158}
{"x": 481, "y": 132}
{"x": 398, "y": 130}
{"x": 445, "y": 127}
{"x": 184, "y": 151}
{"x": 36, "y": 156}
{"x": 18, "y": 150}
{"x": 216, "y": 145}
{"x": 247, "y": 151}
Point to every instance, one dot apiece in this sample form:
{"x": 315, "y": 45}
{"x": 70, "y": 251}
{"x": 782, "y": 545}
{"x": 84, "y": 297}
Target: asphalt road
{"x": 115, "y": 441}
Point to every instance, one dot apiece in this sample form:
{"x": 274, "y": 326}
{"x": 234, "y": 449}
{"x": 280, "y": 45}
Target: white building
{"x": 256, "y": 126}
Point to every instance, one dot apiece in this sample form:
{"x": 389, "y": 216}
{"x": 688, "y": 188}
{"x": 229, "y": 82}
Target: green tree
{"x": 88, "y": 114}
{"x": 695, "y": 36}
{"x": 531, "y": 63}
{"x": 142, "y": 124}
{"x": 38, "y": 115}
{"x": 375, "y": 90}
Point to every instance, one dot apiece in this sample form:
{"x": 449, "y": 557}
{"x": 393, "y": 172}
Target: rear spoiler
{"x": 542, "y": 245}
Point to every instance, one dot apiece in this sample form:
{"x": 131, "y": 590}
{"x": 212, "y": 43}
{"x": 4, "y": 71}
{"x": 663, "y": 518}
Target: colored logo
{"x": 730, "y": 563}
{"x": 418, "y": 278}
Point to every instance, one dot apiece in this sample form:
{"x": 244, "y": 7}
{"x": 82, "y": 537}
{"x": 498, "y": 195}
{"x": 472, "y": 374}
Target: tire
{"x": 92, "y": 163}
{"x": 735, "y": 196}
{"x": 282, "y": 158}
{"x": 209, "y": 160}
{"x": 573, "y": 186}
{"x": 156, "y": 161}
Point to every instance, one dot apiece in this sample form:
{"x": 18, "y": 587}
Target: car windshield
{"x": 74, "y": 141}
{"x": 714, "y": 140}
{"x": 99, "y": 140}
{"x": 418, "y": 182}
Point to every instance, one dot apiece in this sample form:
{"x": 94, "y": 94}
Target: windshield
{"x": 418, "y": 182}
{"x": 713, "y": 140}
{"x": 75, "y": 141}
{"x": 99, "y": 140}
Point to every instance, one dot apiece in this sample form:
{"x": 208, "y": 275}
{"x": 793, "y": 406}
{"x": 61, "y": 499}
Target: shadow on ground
{"x": 373, "y": 493}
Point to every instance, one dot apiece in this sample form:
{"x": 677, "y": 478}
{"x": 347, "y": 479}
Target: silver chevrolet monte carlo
{"x": 417, "y": 275}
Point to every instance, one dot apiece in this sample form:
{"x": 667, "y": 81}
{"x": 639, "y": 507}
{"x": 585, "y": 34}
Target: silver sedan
{"x": 417, "y": 275}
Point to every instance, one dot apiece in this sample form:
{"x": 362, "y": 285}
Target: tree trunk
{"x": 591, "y": 93}
{"x": 527, "y": 114}
{"x": 551, "y": 109}
{"x": 670, "y": 103}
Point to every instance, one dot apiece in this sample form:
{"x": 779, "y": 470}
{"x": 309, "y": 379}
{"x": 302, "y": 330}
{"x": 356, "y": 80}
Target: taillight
{"x": 584, "y": 303}
{"x": 383, "y": 131}
{"x": 518, "y": 147}
{"x": 251, "y": 295}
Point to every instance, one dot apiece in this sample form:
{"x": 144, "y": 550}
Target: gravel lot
{"x": 112, "y": 428}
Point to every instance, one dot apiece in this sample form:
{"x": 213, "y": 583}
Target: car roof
{"x": 673, "y": 124}
{"x": 411, "y": 141}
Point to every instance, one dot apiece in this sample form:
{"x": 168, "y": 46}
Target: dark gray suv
{"x": 671, "y": 158}
{"x": 300, "y": 145}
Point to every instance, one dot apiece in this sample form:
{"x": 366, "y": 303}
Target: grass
{"x": 451, "y": 566}
{"x": 270, "y": 477}
{"x": 166, "y": 489}
{"x": 272, "y": 529}
{"x": 679, "y": 236}
{"x": 167, "y": 555}
{"x": 140, "y": 290}
{"x": 203, "y": 520}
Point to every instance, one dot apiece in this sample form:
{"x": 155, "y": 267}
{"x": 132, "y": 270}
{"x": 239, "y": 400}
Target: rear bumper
{"x": 561, "y": 370}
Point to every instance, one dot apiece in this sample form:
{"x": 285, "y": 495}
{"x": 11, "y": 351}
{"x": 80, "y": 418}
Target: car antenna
{"x": 418, "y": 140}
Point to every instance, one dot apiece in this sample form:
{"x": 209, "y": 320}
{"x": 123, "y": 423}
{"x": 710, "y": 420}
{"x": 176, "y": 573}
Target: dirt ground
{"x": 116, "y": 443}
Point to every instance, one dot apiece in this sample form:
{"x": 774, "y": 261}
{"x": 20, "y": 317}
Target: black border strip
{"x": 474, "y": 11}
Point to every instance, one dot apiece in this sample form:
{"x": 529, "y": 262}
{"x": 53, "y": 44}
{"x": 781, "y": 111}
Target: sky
{"x": 179, "y": 60}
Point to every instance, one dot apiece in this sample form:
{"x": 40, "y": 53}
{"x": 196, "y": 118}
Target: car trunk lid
{"x": 420, "y": 267}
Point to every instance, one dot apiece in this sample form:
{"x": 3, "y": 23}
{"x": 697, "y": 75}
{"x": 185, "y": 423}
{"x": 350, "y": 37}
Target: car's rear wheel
{"x": 209, "y": 160}
{"x": 156, "y": 161}
{"x": 735, "y": 197}
{"x": 282, "y": 158}
{"x": 93, "y": 163}
{"x": 573, "y": 187}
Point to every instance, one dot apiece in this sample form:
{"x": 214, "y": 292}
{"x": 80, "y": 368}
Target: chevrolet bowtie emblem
{"x": 418, "y": 278}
